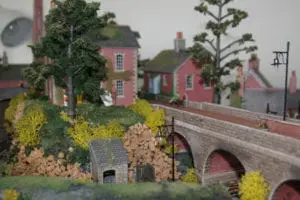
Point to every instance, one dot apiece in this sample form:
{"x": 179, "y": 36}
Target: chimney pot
{"x": 179, "y": 35}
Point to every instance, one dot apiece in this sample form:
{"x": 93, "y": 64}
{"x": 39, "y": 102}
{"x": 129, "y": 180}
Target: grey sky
{"x": 272, "y": 22}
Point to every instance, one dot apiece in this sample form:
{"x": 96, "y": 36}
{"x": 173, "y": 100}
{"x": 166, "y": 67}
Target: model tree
{"x": 216, "y": 30}
{"x": 68, "y": 51}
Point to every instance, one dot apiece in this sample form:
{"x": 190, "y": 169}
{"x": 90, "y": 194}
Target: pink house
{"x": 174, "y": 72}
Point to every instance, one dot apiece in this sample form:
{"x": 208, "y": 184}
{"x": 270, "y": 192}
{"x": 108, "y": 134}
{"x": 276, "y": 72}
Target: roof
{"x": 12, "y": 72}
{"x": 119, "y": 36}
{"x": 263, "y": 78}
{"x": 8, "y": 93}
{"x": 108, "y": 152}
{"x": 167, "y": 61}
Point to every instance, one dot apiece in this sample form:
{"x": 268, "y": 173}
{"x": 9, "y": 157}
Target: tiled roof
{"x": 12, "y": 72}
{"x": 167, "y": 61}
{"x": 108, "y": 152}
{"x": 8, "y": 93}
{"x": 119, "y": 36}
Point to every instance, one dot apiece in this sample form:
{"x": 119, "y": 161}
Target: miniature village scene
{"x": 96, "y": 104}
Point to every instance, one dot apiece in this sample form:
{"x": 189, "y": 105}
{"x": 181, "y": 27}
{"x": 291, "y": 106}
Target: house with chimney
{"x": 259, "y": 95}
{"x": 121, "y": 50}
{"x": 173, "y": 71}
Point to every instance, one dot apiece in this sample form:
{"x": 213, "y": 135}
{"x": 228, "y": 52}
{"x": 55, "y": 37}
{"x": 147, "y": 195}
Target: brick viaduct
{"x": 222, "y": 151}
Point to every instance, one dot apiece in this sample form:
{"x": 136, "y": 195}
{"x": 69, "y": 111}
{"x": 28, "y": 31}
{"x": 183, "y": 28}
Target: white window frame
{"x": 117, "y": 89}
{"x": 116, "y": 62}
{"x": 207, "y": 87}
{"x": 186, "y": 82}
{"x": 165, "y": 79}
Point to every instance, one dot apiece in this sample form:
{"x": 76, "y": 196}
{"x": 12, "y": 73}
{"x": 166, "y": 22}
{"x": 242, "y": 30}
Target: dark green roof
{"x": 167, "y": 61}
{"x": 11, "y": 72}
{"x": 8, "y": 93}
{"x": 119, "y": 36}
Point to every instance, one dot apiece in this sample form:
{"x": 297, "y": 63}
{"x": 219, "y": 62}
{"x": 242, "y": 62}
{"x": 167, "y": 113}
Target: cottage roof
{"x": 12, "y": 72}
{"x": 108, "y": 152}
{"x": 263, "y": 78}
{"x": 167, "y": 61}
{"x": 8, "y": 93}
{"x": 119, "y": 36}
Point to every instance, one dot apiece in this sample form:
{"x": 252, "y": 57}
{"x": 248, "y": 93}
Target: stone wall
{"x": 255, "y": 149}
{"x": 242, "y": 113}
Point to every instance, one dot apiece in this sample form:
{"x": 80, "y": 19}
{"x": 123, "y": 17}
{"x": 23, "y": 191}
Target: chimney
{"x": 179, "y": 42}
{"x": 38, "y": 22}
{"x": 254, "y": 62}
{"x": 293, "y": 82}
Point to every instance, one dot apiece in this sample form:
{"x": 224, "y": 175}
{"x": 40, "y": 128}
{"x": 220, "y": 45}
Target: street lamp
{"x": 163, "y": 134}
{"x": 282, "y": 58}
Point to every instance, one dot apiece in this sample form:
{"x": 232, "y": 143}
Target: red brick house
{"x": 174, "y": 72}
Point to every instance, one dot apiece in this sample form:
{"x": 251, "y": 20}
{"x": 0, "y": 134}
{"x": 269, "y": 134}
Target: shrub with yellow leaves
{"x": 82, "y": 133}
{"x": 190, "y": 176}
{"x": 11, "y": 194}
{"x": 64, "y": 116}
{"x": 28, "y": 127}
{"x": 253, "y": 186}
{"x": 154, "y": 119}
{"x": 142, "y": 107}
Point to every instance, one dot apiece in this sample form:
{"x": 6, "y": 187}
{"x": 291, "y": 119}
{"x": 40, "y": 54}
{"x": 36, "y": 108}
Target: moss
{"x": 165, "y": 58}
{"x": 111, "y": 32}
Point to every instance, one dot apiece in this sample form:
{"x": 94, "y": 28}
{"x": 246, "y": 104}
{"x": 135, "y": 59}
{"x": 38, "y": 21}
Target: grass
{"x": 100, "y": 115}
{"x": 126, "y": 191}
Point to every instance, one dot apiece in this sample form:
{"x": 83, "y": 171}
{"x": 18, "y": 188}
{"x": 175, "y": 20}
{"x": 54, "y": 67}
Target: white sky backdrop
{"x": 272, "y": 22}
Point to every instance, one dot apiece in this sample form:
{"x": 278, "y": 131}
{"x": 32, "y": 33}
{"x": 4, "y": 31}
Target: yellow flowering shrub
{"x": 10, "y": 112}
{"x": 28, "y": 127}
{"x": 83, "y": 181}
{"x": 154, "y": 119}
{"x": 190, "y": 176}
{"x": 142, "y": 107}
{"x": 253, "y": 187}
{"x": 10, "y": 194}
{"x": 82, "y": 133}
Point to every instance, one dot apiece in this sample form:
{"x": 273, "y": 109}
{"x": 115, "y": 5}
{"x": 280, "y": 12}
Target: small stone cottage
{"x": 109, "y": 161}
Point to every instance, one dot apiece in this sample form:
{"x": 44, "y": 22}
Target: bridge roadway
{"x": 213, "y": 136}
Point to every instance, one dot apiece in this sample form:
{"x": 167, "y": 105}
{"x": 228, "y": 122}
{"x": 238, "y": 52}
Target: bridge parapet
{"x": 237, "y": 112}
{"x": 279, "y": 143}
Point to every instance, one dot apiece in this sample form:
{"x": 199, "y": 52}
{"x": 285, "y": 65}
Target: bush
{"x": 11, "y": 194}
{"x": 190, "y": 176}
{"x": 142, "y": 107}
{"x": 253, "y": 186}
{"x": 154, "y": 119}
{"x": 82, "y": 133}
{"x": 28, "y": 127}
{"x": 10, "y": 112}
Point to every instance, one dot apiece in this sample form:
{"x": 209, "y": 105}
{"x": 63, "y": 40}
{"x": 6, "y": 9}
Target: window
{"x": 119, "y": 62}
{"x": 165, "y": 81}
{"x": 189, "y": 82}
{"x": 207, "y": 85}
{"x": 120, "y": 88}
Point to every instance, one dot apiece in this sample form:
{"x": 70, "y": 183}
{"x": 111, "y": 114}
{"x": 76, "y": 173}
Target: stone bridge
{"x": 223, "y": 151}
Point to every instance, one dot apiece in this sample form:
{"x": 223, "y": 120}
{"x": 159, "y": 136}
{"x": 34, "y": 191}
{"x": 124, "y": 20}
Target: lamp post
{"x": 162, "y": 134}
{"x": 282, "y": 58}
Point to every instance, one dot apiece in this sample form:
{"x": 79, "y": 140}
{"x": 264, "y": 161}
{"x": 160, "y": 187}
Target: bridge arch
{"x": 288, "y": 189}
{"x": 184, "y": 152}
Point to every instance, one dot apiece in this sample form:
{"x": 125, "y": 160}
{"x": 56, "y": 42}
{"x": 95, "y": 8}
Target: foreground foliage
{"x": 190, "y": 176}
{"x": 60, "y": 187}
{"x": 253, "y": 186}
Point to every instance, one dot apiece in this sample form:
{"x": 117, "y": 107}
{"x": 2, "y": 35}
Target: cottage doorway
{"x": 156, "y": 84}
{"x": 109, "y": 176}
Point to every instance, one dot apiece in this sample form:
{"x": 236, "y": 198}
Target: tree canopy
{"x": 216, "y": 30}
{"x": 68, "y": 51}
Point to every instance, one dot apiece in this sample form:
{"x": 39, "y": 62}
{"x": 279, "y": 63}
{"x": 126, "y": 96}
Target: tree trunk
{"x": 71, "y": 99}
{"x": 216, "y": 94}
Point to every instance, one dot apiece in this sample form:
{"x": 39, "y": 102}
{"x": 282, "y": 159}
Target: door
{"x": 156, "y": 84}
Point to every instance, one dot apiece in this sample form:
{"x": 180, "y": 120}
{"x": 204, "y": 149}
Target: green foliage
{"x": 72, "y": 29}
{"x": 79, "y": 155}
{"x": 154, "y": 119}
{"x": 236, "y": 100}
{"x": 190, "y": 176}
{"x": 216, "y": 59}
{"x": 253, "y": 186}
{"x": 28, "y": 127}
{"x": 142, "y": 107}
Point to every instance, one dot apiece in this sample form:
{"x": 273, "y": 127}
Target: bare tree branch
{"x": 234, "y": 52}
{"x": 230, "y": 45}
